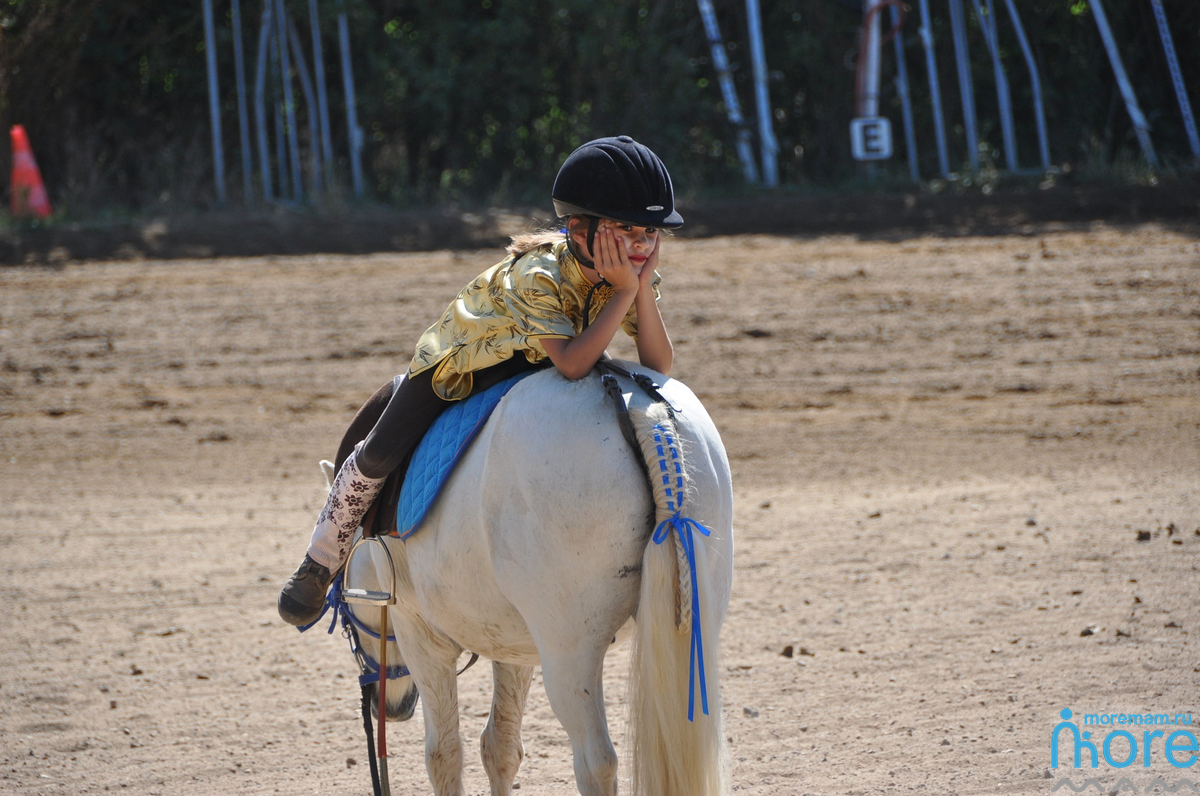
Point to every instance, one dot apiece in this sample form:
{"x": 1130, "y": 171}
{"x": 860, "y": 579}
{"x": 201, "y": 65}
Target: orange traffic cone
{"x": 28, "y": 192}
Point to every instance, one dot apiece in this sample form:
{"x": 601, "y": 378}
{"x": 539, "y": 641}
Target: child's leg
{"x": 409, "y": 414}
{"x": 411, "y": 410}
{"x": 350, "y": 495}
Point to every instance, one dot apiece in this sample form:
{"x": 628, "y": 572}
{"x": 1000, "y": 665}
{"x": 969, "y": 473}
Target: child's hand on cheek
{"x": 646, "y": 277}
{"x": 612, "y": 261}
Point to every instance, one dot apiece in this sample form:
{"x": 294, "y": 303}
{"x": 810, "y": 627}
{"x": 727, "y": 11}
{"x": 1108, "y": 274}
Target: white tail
{"x": 672, "y": 755}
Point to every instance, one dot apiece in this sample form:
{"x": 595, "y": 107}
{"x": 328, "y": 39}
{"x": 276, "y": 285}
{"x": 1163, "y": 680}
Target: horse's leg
{"x": 500, "y": 744}
{"x": 443, "y": 743}
{"x": 573, "y": 683}
{"x": 431, "y": 661}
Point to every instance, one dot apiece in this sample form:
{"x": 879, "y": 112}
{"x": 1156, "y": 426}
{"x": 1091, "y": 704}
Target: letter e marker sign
{"x": 871, "y": 138}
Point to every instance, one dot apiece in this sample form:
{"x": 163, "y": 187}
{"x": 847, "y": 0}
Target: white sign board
{"x": 871, "y": 138}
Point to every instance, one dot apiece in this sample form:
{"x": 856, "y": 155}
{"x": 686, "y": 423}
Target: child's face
{"x": 639, "y": 242}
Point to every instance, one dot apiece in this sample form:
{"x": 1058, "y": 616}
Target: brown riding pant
{"x": 413, "y": 408}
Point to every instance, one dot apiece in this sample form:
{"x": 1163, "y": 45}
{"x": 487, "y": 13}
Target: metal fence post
{"x": 239, "y": 65}
{"x": 260, "y": 106}
{"x": 1181, "y": 96}
{"x": 289, "y": 101}
{"x": 1131, "y": 104}
{"x": 935, "y": 91}
{"x": 355, "y": 134}
{"x": 310, "y": 100}
{"x": 322, "y": 101}
{"x": 766, "y": 132}
{"x": 214, "y": 102}
{"x": 991, "y": 37}
{"x": 732, "y": 108}
{"x": 958, "y": 25}
{"x": 1035, "y": 78}
{"x": 910, "y": 138}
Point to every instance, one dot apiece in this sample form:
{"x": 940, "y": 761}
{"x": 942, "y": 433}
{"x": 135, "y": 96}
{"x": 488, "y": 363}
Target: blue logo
{"x": 1121, "y": 748}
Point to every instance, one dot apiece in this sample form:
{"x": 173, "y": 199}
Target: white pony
{"x": 539, "y": 552}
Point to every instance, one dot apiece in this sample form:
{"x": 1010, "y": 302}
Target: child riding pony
{"x": 556, "y": 296}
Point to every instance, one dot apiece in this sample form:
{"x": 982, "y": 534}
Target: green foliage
{"x": 102, "y": 88}
{"x": 478, "y": 101}
{"x": 483, "y": 100}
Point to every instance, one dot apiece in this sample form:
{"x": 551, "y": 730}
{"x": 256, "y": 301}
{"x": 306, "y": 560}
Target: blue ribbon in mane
{"x": 683, "y": 527}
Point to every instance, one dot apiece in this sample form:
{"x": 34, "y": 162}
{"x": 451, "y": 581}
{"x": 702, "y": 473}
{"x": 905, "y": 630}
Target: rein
{"x": 612, "y": 388}
{"x": 608, "y": 367}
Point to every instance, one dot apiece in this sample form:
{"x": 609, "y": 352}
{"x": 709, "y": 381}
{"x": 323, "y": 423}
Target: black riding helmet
{"x": 619, "y": 179}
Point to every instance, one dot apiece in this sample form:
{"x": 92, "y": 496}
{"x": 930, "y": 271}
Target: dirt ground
{"x": 967, "y": 474}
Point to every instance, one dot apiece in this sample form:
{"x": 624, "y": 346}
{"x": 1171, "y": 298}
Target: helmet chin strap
{"x": 593, "y": 225}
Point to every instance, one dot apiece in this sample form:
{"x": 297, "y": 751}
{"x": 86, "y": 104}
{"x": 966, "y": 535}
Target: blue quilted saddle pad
{"x": 439, "y": 451}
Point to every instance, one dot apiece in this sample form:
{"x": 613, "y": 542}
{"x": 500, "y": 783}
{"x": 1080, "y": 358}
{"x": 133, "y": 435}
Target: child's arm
{"x": 574, "y": 358}
{"x": 653, "y": 343}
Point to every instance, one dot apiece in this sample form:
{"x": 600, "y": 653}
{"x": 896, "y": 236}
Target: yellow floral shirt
{"x": 510, "y": 308}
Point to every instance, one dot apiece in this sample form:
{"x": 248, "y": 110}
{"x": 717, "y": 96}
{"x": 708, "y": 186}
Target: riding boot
{"x": 350, "y": 496}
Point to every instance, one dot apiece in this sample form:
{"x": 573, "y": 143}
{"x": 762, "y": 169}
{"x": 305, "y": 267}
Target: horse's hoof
{"x": 303, "y": 597}
{"x": 402, "y": 712}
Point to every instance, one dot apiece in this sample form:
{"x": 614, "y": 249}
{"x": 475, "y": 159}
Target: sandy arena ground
{"x": 968, "y": 495}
